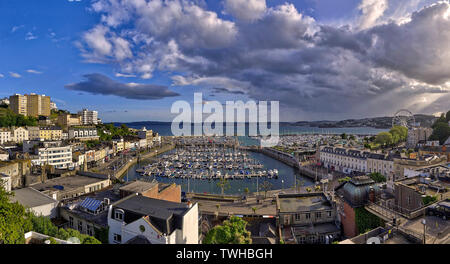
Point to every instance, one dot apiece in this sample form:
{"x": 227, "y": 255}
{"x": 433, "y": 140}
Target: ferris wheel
{"x": 404, "y": 118}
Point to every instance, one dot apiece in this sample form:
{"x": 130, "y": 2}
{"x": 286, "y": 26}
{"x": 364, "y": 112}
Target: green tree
{"x": 344, "y": 136}
{"x": 377, "y": 177}
{"x": 232, "y": 231}
{"x": 223, "y": 184}
{"x": 441, "y": 132}
{"x": 399, "y": 134}
{"x": 14, "y": 220}
{"x": 384, "y": 138}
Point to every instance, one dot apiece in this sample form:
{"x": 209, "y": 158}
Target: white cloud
{"x": 125, "y": 75}
{"x": 245, "y": 10}
{"x": 1, "y": 75}
{"x": 15, "y": 75}
{"x": 371, "y": 11}
{"x": 34, "y": 71}
{"x": 30, "y": 36}
{"x": 15, "y": 28}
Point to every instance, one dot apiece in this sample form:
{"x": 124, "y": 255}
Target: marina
{"x": 205, "y": 163}
{"x": 194, "y": 166}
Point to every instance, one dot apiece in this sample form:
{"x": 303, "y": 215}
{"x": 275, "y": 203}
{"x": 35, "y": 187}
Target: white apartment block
{"x": 88, "y": 117}
{"x": 54, "y": 153}
{"x": 344, "y": 160}
{"x": 83, "y": 133}
{"x": 5, "y": 136}
{"x": 20, "y": 134}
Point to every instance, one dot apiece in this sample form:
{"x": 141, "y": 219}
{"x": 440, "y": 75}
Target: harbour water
{"x": 287, "y": 177}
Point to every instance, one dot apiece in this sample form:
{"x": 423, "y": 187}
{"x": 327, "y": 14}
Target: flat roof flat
{"x": 30, "y": 197}
{"x": 304, "y": 203}
{"x": 139, "y": 186}
{"x": 68, "y": 182}
{"x": 151, "y": 207}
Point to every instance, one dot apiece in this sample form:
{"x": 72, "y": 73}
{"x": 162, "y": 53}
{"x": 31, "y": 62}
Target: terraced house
{"x": 344, "y": 160}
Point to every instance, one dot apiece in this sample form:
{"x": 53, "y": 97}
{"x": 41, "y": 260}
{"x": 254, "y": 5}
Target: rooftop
{"x": 151, "y": 207}
{"x": 30, "y": 197}
{"x": 139, "y": 186}
{"x": 67, "y": 183}
{"x": 303, "y": 202}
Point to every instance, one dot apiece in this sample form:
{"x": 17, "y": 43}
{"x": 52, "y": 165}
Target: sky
{"x": 321, "y": 59}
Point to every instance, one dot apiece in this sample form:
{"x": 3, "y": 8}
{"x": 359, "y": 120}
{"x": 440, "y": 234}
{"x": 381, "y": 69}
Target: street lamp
{"x": 424, "y": 223}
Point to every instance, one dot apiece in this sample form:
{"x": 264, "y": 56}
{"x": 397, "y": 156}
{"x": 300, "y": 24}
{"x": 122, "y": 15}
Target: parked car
{"x": 441, "y": 209}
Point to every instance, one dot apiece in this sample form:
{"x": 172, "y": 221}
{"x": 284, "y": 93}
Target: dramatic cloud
{"x": 371, "y": 11}
{"x": 100, "y": 84}
{"x": 374, "y": 64}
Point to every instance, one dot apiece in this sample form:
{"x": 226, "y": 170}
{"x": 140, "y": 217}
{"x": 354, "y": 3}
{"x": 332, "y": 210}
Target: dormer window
{"x": 118, "y": 214}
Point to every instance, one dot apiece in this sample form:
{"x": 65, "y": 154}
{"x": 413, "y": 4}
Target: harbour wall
{"x": 120, "y": 173}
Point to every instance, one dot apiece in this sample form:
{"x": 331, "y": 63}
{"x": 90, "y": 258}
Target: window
{"x": 80, "y": 226}
{"x": 118, "y": 214}
{"x": 318, "y": 215}
{"x": 71, "y": 221}
{"x": 90, "y": 230}
{"x": 329, "y": 213}
{"x": 308, "y": 216}
{"x": 297, "y": 217}
{"x": 117, "y": 238}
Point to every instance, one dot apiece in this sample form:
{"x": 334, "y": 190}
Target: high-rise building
{"x": 30, "y": 104}
{"x": 18, "y": 104}
{"x": 88, "y": 117}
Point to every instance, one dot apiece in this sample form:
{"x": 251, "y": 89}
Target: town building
{"x": 153, "y": 221}
{"x": 88, "y": 117}
{"x": 17, "y": 171}
{"x": 33, "y": 133}
{"x": 435, "y": 150}
{"x": 308, "y": 218}
{"x": 19, "y": 134}
{"x": 30, "y": 104}
{"x": 18, "y": 104}
{"x": 67, "y": 120}
{"x": 344, "y": 160}
{"x": 421, "y": 162}
{"x": 69, "y": 187}
{"x": 381, "y": 163}
{"x": 83, "y": 133}
{"x": 417, "y": 134}
{"x": 409, "y": 192}
{"x": 54, "y": 153}
{"x": 353, "y": 195}
{"x": 37, "y": 202}
{"x": 88, "y": 213}
{"x": 384, "y": 235}
{"x": 50, "y": 133}
{"x": 5, "y": 136}
{"x": 38, "y": 105}
{"x": 153, "y": 189}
